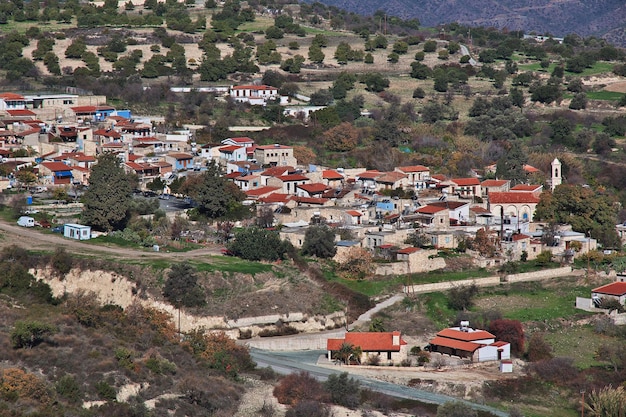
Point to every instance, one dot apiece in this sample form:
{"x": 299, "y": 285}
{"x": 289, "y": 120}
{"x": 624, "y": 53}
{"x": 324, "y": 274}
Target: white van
{"x": 26, "y": 221}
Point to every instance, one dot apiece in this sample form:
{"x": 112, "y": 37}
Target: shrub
{"x": 406, "y": 363}
{"x": 181, "y": 287}
{"x": 309, "y": 409}
{"x": 373, "y": 360}
{"x": 538, "y": 348}
{"x": 15, "y": 383}
{"x": 106, "y": 391}
{"x": 61, "y": 261}
{"x": 462, "y": 297}
{"x": 342, "y": 390}
{"x": 30, "y": 333}
{"x": 68, "y": 388}
{"x": 295, "y": 388}
{"x": 455, "y": 409}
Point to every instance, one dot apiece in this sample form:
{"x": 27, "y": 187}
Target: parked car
{"x": 57, "y": 229}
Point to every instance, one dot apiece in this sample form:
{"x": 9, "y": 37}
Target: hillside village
{"x": 64, "y": 134}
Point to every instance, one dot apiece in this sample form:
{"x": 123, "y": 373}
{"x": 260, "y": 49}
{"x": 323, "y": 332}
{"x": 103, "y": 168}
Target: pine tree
{"x": 108, "y": 199}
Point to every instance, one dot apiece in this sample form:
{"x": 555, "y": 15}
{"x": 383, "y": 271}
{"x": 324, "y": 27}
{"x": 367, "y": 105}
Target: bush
{"x": 68, "y": 388}
{"x": 30, "y": 333}
{"x": 181, "y": 287}
{"x": 462, "y": 297}
{"x": 106, "y": 391}
{"x": 61, "y": 261}
{"x": 373, "y": 360}
{"x": 309, "y": 409}
{"x": 342, "y": 390}
{"x": 296, "y": 388}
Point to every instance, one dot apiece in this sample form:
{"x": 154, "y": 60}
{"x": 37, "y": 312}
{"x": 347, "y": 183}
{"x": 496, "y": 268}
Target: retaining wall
{"x": 490, "y": 281}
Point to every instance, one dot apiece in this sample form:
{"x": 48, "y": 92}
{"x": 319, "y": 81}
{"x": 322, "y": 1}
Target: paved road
{"x": 288, "y": 362}
{"x": 465, "y": 51}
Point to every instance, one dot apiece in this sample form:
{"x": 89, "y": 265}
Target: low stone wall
{"x": 444, "y": 286}
{"x": 490, "y": 281}
{"x": 539, "y": 275}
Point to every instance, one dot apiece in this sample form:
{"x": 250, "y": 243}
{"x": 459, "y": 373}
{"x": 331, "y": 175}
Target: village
{"x": 64, "y": 134}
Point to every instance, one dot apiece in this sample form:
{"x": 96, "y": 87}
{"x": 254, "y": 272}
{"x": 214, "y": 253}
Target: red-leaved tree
{"x": 509, "y": 331}
{"x": 294, "y": 388}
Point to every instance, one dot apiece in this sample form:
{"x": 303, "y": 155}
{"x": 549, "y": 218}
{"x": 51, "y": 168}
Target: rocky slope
{"x": 559, "y": 17}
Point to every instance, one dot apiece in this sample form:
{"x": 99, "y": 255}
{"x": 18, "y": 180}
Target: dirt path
{"x": 35, "y": 239}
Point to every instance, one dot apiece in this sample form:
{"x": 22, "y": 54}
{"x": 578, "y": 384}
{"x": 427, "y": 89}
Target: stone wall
{"x": 490, "y": 281}
{"x": 539, "y": 275}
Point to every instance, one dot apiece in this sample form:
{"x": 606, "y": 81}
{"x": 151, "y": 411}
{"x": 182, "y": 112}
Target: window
{"x": 388, "y": 356}
{"x": 68, "y": 101}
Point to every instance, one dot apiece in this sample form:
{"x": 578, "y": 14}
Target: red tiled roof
{"x": 494, "y": 183}
{"x": 254, "y": 87}
{"x": 180, "y": 156}
{"x": 134, "y": 165}
{"x": 229, "y": 148}
{"x": 233, "y": 175}
{"x": 84, "y": 109}
{"x": 56, "y": 166}
{"x": 354, "y": 213}
{"x": 465, "y": 336}
{"x": 525, "y": 187}
{"x": 373, "y": 174}
{"x": 455, "y": 344}
{"x": 388, "y": 246}
{"x": 312, "y": 200}
{"x": 113, "y": 145}
{"x": 331, "y": 174}
{"x": 530, "y": 169}
{"x": 11, "y": 96}
{"x": 408, "y": 251}
{"x": 276, "y": 198}
{"x": 77, "y": 156}
{"x": 368, "y": 341}
{"x": 478, "y": 209}
{"x": 110, "y": 133}
{"x": 391, "y": 177}
{"x": 260, "y": 191}
{"x": 277, "y": 171}
{"x": 313, "y": 188}
{"x": 499, "y": 343}
{"x": 520, "y": 236}
{"x": 452, "y": 205}
{"x": 513, "y": 198}
{"x": 248, "y": 178}
{"x": 28, "y": 132}
{"x": 465, "y": 181}
{"x": 241, "y": 140}
{"x": 614, "y": 288}
{"x": 414, "y": 168}
{"x": 21, "y": 112}
{"x": 293, "y": 177}
{"x": 438, "y": 177}
{"x": 430, "y": 209}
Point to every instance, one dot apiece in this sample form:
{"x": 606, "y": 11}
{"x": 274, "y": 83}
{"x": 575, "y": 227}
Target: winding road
{"x": 289, "y": 362}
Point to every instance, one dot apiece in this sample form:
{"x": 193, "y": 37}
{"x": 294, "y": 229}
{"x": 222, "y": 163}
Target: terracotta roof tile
{"x": 414, "y": 168}
{"x": 513, "y": 198}
{"x": 614, "y": 288}
{"x": 465, "y": 336}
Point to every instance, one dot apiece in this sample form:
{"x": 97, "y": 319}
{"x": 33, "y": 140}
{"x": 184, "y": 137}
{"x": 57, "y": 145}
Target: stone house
{"x": 277, "y": 155}
{"x": 417, "y": 175}
{"x": 389, "y": 347}
{"x": 497, "y": 186}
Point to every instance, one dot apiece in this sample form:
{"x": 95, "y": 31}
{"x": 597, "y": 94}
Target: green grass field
{"x": 605, "y": 95}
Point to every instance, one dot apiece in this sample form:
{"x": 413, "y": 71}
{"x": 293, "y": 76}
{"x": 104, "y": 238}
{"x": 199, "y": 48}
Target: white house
{"x": 465, "y": 342}
{"x": 254, "y": 94}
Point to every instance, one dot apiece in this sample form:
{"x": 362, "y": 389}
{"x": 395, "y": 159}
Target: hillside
{"x": 600, "y": 17}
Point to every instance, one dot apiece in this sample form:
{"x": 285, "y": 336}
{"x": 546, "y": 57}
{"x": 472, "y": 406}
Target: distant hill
{"x": 603, "y": 18}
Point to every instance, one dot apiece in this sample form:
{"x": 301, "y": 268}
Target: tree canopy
{"x": 107, "y": 202}
{"x": 319, "y": 241}
{"x": 215, "y": 196}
